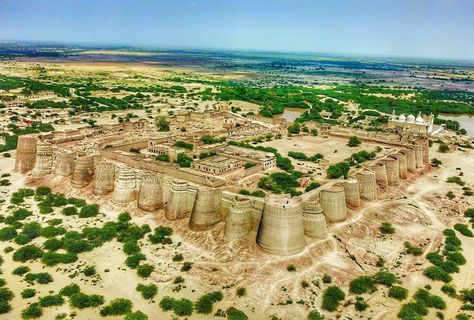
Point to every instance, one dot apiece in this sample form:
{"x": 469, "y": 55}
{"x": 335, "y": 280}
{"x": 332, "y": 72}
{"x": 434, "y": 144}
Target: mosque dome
{"x": 419, "y": 119}
{"x": 402, "y": 118}
{"x": 411, "y": 118}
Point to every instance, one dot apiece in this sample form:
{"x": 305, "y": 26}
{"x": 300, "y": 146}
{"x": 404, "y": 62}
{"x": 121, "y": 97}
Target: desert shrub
{"x": 89, "y": 210}
{"x": 385, "y": 278}
{"x": 206, "y": 302}
{"x": 450, "y": 266}
{"x": 145, "y": 270}
{"x": 26, "y": 253}
{"x": 8, "y": 233}
{"x": 89, "y": 271}
{"x": 410, "y": 249}
{"x": 455, "y": 179}
{"x": 291, "y": 268}
{"x": 235, "y": 314}
{"x": 337, "y": 170}
{"x": 78, "y": 203}
{"x": 81, "y": 301}
{"x": 41, "y": 278}
{"x": 429, "y": 300}
{"x": 387, "y": 228}
{"x": 464, "y": 230}
{"x": 161, "y": 235}
{"x": 69, "y": 211}
{"x": 449, "y": 290}
{"x": 435, "y": 258}
{"x": 332, "y": 296}
{"x": 76, "y": 245}
{"x": 241, "y": 291}
{"x": 412, "y": 311}
{"x": 398, "y": 293}
{"x": 21, "y": 214}
{"x": 326, "y": 278}
{"x": 436, "y": 273}
{"x": 469, "y": 213}
{"x": 186, "y": 267}
{"x": 53, "y": 244}
{"x": 361, "y": 285}
{"x": 21, "y": 270}
{"x": 6, "y": 294}
{"x": 178, "y": 257}
{"x": 69, "y": 290}
{"x": 33, "y": 311}
{"x": 166, "y": 303}
{"x": 467, "y": 295}
{"x": 354, "y": 141}
{"x": 360, "y": 304}
{"x": 117, "y": 307}
{"x": 178, "y": 280}
{"x": 5, "y": 307}
{"x": 51, "y": 300}
{"x": 28, "y": 293}
{"x": 183, "y": 307}
{"x": 147, "y": 291}
{"x": 131, "y": 247}
{"x": 315, "y": 315}
{"x": 133, "y": 261}
{"x": 137, "y": 315}
{"x": 52, "y": 231}
{"x": 42, "y": 191}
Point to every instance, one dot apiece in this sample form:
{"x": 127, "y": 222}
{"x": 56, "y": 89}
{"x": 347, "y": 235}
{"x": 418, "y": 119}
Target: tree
{"x": 398, "y": 293}
{"x": 148, "y": 291}
{"x": 338, "y": 170}
{"x": 294, "y": 128}
{"x": 145, "y": 270}
{"x": 162, "y": 124}
{"x": 362, "y": 284}
{"x": 387, "y": 228}
{"x": 354, "y": 142}
{"x": 117, "y": 307}
{"x": 332, "y": 296}
{"x": 443, "y": 148}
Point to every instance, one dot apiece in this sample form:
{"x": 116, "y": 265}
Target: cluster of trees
{"x": 207, "y": 139}
{"x": 301, "y": 156}
{"x": 281, "y": 182}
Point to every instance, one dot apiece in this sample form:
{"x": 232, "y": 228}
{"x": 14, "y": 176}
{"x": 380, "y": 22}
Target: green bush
{"x": 338, "y": 170}
{"x": 385, "y": 278}
{"x": 41, "y": 278}
{"x": 81, "y": 301}
{"x": 89, "y": 210}
{"x": 5, "y": 307}
{"x": 28, "y": 293}
{"x": 360, "y": 304}
{"x": 326, "y": 278}
{"x": 449, "y": 290}
{"x": 89, "y": 271}
{"x": 332, "y": 296}
{"x": 21, "y": 270}
{"x": 117, "y": 307}
{"x": 8, "y": 233}
{"x": 26, "y": 253}
{"x": 412, "y": 311}
{"x": 133, "y": 261}
{"x": 33, "y": 311}
{"x": 206, "y": 302}
{"x": 315, "y": 315}
{"x": 6, "y": 294}
{"x": 429, "y": 300}
{"x": 70, "y": 211}
{"x": 137, "y": 315}
{"x": 469, "y": 213}
{"x": 398, "y": 293}
{"x": 241, "y": 291}
{"x": 410, "y": 249}
{"x": 387, "y": 228}
{"x": 235, "y": 314}
{"x": 53, "y": 244}
{"x": 51, "y": 300}
{"x": 436, "y": 273}
{"x": 148, "y": 291}
{"x": 131, "y": 247}
{"x": 145, "y": 270}
{"x": 69, "y": 290}
{"x": 362, "y": 284}
{"x": 463, "y": 229}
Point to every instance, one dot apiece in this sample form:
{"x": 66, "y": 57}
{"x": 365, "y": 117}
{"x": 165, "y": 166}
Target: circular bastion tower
{"x": 150, "y": 196}
{"x": 25, "y": 153}
{"x": 207, "y": 209}
{"x": 333, "y": 202}
{"x": 238, "y": 221}
{"x": 351, "y": 190}
{"x": 83, "y": 172}
{"x": 64, "y": 163}
{"x": 44, "y": 160}
{"x": 367, "y": 184}
{"x": 281, "y": 230}
{"x": 104, "y": 178}
{"x": 411, "y": 159}
{"x": 314, "y": 221}
{"x": 125, "y": 190}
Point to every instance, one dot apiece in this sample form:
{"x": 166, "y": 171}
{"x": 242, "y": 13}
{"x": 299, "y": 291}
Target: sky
{"x": 410, "y": 28}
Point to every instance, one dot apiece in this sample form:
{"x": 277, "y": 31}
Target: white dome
{"x": 419, "y": 119}
{"x": 402, "y": 118}
{"x": 411, "y": 118}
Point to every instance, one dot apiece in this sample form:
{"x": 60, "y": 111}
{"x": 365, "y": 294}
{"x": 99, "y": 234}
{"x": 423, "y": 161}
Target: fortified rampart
{"x": 314, "y": 221}
{"x": 64, "y": 163}
{"x": 44, "y": 160}
{"x": 83, "y": 172}
{"x": 125, "y": 190}
{"x": 150, "y": 197}
{"x": 104, "y": 178}
{"x": 25, "y": 153}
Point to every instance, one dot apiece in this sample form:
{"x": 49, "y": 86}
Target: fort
{"x": 206, "y": 193}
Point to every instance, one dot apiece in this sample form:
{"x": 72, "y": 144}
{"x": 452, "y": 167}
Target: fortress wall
{"x": 425, "y": 143}
{"x": 402, "y": 164}
{"x": 64, "y": 163}
{"x": 83, "y": 172}
{"x": 380, "y": 174}
{"x": 252, "y": 170}
{"x": 238, "y": 221}
{"x": 125, "y": 190}
{"x": 104, "y": 178}
{"x": 166, "y": 183}
{"x": 44, "y": 160}
{"x": 25, "y": 153}
{"x": 393, "y": 172}
{"x": 411, "y": 159}
{"x": 281, "y": 230}
{"x": 314, "y": 221}
{"x": 207, "y": 209}
{"x": 143, "y": 144}
{"x": 367, "y": 184}
{"x": 419, "y": 156}
{"x": 333, "y": 202}
{"x": 150, "y": 197}
{"x": 181, "y": 200}
{"x": 351, "y": 190}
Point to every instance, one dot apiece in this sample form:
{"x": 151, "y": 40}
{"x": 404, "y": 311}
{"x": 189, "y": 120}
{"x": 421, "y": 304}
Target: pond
{"x": 290, "y": 114}
{"x": 465, "y": 120}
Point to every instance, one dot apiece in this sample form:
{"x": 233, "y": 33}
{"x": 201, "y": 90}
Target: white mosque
{"x": 420, "y": 124}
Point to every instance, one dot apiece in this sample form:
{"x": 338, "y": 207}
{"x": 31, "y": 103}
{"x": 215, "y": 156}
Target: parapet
{"x": 333, "y": 202}
{"x": 83, "y": 172}
{"x": 281, "y": 230}
{"x": 104, "y": 178}
{"x": 25, "y": 153}
{"x": 207, "y": 209}
{"x": 238, "y": 221}
{"x": 150, "y": 197}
